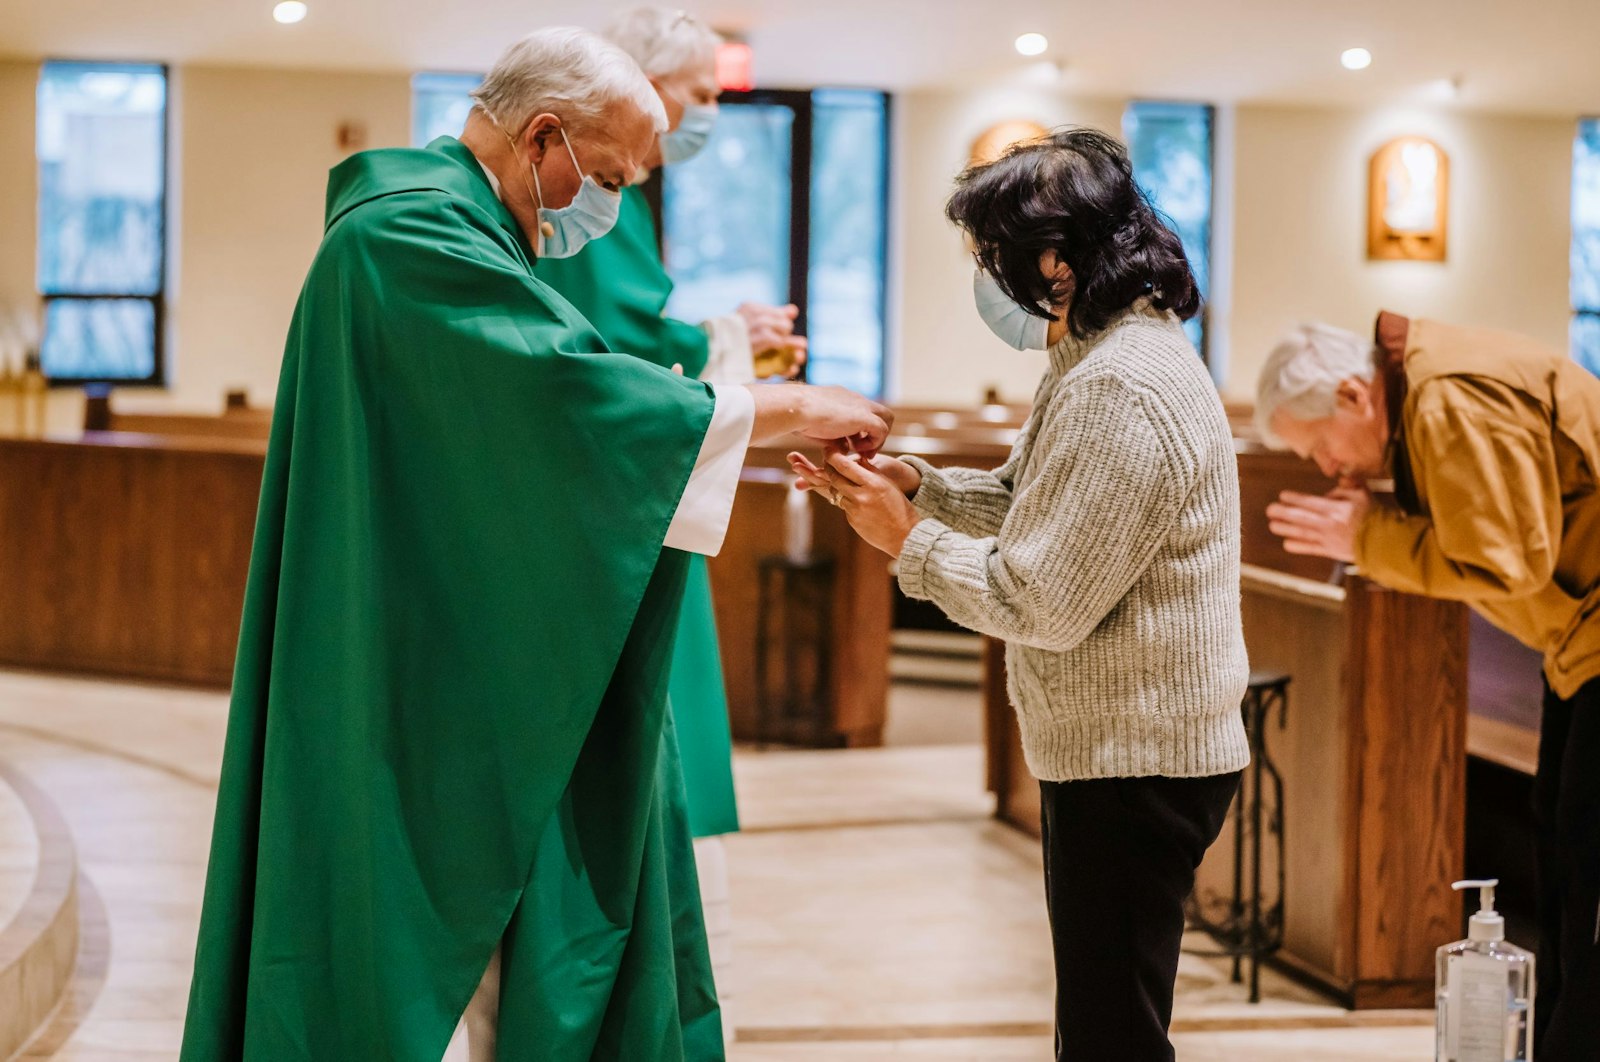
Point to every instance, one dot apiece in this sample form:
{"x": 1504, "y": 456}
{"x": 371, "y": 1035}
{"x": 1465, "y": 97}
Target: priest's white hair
{"x": 568, "y": 72}
{"x": 1303, "y": 373}
{"x": 664, "y": 40}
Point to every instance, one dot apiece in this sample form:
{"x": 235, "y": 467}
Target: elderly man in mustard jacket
{"x": 1493, "y": 443}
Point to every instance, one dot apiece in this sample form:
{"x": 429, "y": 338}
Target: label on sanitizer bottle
{"x": 1477, "y": 991}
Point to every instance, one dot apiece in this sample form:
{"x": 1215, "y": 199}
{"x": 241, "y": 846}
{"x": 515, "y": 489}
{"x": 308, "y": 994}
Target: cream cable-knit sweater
{"x": 1105, "y": 552}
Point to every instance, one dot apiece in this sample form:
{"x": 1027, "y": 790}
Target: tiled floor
{"x": 879, "y": 912}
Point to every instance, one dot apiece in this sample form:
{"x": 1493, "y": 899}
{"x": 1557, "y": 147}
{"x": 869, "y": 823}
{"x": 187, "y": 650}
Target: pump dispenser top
{"x": 1487, "y": 924}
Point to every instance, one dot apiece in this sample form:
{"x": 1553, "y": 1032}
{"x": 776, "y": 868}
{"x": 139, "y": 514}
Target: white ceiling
{"x": 1532, "y": 55}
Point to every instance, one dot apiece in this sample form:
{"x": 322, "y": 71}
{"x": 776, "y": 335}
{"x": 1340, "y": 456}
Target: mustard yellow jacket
{"x": 1495, "y": 456}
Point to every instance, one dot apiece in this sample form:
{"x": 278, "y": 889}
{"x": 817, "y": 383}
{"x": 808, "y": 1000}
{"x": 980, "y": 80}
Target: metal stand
{"x": 1248, "y": 928}
{"x": 794, "y": 606}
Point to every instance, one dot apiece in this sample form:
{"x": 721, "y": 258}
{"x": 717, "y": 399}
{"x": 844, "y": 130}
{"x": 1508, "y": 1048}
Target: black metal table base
{"x": 1245, "y": 925}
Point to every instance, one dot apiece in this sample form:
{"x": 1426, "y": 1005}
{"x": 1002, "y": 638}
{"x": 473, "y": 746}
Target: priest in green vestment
{"x": 620, "y": 283}
{"x": 448, "y": 775}
{"x": 621, "y": 286}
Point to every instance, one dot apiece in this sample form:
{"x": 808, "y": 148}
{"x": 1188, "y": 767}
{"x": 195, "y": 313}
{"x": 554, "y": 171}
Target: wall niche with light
{"x": 1002, "y": 136}
{"x": 1408, "y": 201}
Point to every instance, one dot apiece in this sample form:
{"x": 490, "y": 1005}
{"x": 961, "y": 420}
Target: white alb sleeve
{"x": 730, "y": 359}
{"x": 701, "y": 520}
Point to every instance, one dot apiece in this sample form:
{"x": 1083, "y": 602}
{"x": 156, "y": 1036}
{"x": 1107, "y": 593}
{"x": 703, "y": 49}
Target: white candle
{"x": 797, "y": 527}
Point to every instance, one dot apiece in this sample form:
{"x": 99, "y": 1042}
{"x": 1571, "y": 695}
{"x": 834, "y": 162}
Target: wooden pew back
{"x": 237, "y": 421}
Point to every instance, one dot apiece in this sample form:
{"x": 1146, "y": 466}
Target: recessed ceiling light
{"x": 1355, "y": 59}
{"x": 289, "y": 12}
{"x": 1032, "y": 44}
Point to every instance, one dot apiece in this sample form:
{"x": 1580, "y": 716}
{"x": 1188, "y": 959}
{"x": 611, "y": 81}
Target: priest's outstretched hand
{"x": 834, "y": 415}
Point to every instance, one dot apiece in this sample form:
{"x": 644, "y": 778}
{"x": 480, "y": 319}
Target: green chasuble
{"x": 449, "y": 726}
{"x": 620, "y": 285}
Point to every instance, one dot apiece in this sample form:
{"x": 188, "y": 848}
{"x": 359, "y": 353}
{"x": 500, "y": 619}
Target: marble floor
{"x": 879, "y": 912}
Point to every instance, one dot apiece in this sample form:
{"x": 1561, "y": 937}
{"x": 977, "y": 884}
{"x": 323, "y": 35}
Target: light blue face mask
{"x": 591, "y": 214}
{"x": 1014, "y": 325}
{"x": 693, "y": 133}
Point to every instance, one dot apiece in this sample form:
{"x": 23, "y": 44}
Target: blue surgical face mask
{"x": 590, "y": 215}
{"x": 693, "y": 133}
{"x": 1016, "y": 326}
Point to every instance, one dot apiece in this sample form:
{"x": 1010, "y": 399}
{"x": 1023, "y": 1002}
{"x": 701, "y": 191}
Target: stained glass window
{"x": 726, "y": 214}
{"x": 849, "y": 208}
{"x": 1585, "y": 282}
{"x": 787, "y": 203}
{"x": 101, "y": 148}
{"x": 439, "y": 105}
{"x": 1171, "y": 148}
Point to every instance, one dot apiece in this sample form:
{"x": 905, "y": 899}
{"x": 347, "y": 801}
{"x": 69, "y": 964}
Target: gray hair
{"x": 1303, "y": 373}
{"x": 663, "y": 40}
{"x": 568, "y": 72}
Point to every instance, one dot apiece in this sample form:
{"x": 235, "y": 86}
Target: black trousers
{"x": 1119, "y": 859}
{"x": 1566, "y": 810}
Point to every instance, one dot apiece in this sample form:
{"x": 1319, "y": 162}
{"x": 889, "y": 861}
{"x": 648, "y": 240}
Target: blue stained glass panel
{"x": 726, "y": 215}
{"x": 849, "y": 172}
{"x": 1170, "y": 145}
{"x": 94, "y": 339}
{"x": 101, "y": 146}
{"x": 440, "y": 104}
{"x": 1585, "y": 257}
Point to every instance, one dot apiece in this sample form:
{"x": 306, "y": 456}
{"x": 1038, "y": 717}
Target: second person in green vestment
{"x": 620, "y": 284}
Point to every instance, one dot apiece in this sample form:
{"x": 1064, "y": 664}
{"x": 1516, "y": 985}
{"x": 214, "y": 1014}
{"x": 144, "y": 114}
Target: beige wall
{"x": 254, "y": 150}
{"x": 1300, "y": 228}
{"x": 945, "y": 353}
{"x": 17, "y": 179}
{"x": 1290, "y": 239}
{"x": 251, "y": 151}
{"x": 19, "y": 205}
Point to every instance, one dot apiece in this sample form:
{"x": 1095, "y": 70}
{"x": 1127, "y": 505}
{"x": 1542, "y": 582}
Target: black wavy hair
{"x": 1073, "y": 192}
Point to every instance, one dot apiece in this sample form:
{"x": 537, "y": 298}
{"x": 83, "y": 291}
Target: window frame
{"x": 157, "y": 300}
{"x": 800, "y": 102}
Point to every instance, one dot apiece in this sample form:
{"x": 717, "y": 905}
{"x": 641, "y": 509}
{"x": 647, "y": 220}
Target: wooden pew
{"x": 1374, "y": 763}
{"x": 1263, "y": 475}
{"x": 858, "y": 619}
{"x": 862, "y": 595}
{"x": 126, "y": 554}
{"x": 981, "y": 438}
{"x": 992, "y": 415}
{"x": 238, "y": 419}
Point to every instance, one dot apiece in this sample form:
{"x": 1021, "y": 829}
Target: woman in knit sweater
{"x": 1105, "y": 552}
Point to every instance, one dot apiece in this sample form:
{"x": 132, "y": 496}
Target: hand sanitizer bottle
{"x": 1485, "y": 990}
